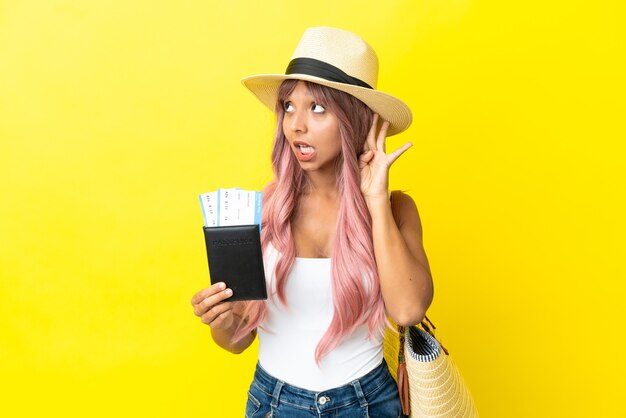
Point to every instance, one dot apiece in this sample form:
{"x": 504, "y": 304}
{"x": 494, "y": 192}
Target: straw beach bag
{"x": 428, "y": 381}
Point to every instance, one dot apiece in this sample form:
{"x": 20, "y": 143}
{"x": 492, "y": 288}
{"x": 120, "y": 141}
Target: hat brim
{"x": 265, "y": 88}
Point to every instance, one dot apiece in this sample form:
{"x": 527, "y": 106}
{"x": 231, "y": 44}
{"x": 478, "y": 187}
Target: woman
{"x": 340, "y": 252}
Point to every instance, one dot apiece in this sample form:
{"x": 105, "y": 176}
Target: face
{"x": 311, "y": 130}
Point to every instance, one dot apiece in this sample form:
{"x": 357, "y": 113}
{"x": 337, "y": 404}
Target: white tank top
{"x": 288, "y": 336}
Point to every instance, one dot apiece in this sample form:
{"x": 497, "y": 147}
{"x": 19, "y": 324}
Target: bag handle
{"x": 430, "y": 328}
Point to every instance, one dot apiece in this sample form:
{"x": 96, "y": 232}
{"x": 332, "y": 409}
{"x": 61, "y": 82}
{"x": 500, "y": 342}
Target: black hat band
{"x": 321, "y": 69}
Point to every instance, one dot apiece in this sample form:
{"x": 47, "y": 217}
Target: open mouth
{"x": 304, "y": 152}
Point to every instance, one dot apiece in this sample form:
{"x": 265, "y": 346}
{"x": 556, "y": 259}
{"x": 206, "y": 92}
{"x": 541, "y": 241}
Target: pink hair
{"x": 356, "y": 291}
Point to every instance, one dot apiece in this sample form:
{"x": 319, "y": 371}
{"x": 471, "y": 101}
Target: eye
{"x": 318, "y": 108}
{"x": 287, "y": 107}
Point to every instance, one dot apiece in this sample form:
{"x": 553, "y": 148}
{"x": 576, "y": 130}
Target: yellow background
{"x": 115, "y": 115}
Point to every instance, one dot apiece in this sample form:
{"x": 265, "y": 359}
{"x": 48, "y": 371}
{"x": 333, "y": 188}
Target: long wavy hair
{"x": 356, "y": 292}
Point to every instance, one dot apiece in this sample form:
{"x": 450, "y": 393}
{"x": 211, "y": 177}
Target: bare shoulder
{"x": 405, "y": 211}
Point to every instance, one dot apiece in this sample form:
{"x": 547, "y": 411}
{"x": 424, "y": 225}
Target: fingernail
{"x": 228, "y": 292}
{"x": 221, "y": 285}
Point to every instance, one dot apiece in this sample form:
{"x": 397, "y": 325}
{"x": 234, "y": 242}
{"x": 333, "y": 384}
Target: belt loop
{"x": 276, "y": 393}
{"x": 359, "y": 393}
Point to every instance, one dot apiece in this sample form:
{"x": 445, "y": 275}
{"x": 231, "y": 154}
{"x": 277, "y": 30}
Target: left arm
{"x": 403, "y": 269}
{"x": 405, "y": 280}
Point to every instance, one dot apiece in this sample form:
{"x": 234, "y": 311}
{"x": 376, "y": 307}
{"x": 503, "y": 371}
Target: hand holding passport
{"x": 232, "y": 224}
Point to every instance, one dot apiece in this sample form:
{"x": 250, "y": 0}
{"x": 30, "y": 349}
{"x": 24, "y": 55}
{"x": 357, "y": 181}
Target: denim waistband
{"x": 355, "y": 391}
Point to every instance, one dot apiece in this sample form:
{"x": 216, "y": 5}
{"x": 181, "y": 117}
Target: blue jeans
{"x": 373, "y": 395}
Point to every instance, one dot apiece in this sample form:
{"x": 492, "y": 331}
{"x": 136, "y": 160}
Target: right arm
{"x": 223, "y": 317}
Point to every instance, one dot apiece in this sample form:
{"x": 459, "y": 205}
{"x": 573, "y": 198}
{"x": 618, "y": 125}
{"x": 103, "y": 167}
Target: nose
{"x": 297, "y": 121}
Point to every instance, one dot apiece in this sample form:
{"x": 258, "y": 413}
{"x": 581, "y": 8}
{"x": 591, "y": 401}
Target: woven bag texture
{"x": 436, "y": 388}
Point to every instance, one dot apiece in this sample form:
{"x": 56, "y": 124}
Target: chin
{"x": 307, "y": 166}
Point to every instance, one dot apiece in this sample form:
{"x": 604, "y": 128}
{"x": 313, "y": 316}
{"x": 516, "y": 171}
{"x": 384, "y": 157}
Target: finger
{"x": 204, "y": 293}
{"x": 371, "y": 135}
{"x": 365, "y": 158}
{"x": 223, "y": 320}
{"x": 397, "y": 153}
{"x": 209, "y": 316}
{"x": 208, "y": 303}
{"x": 380, "y": 141}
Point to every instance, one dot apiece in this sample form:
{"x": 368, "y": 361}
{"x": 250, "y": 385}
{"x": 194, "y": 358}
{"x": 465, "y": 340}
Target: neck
{"x": 322, "y": 184}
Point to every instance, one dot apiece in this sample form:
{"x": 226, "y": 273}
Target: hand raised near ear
{"x": 374, "y": 163}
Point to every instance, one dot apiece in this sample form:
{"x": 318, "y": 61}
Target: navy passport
{"x": 235, "y": 258}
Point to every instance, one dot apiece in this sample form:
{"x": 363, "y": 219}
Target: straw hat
{"x": 339, "y": 59}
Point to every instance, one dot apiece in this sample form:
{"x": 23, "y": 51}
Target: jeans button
{"x": 323, "y": 400}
